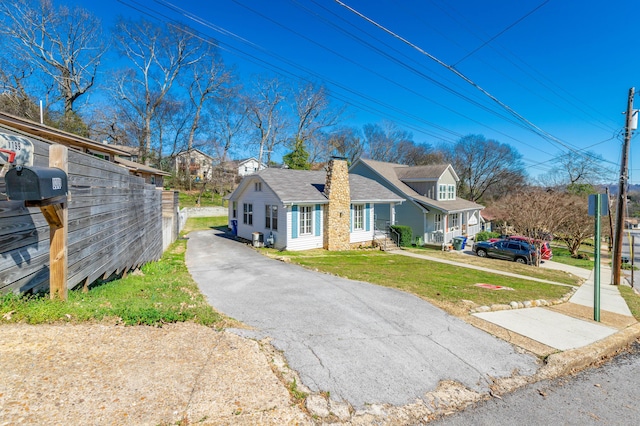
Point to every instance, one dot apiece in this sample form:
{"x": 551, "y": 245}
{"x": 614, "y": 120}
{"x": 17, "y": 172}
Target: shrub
{"x": 485, "y": 235}
{"x": 406, "y": 234}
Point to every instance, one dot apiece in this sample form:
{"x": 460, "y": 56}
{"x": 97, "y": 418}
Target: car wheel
{"x": 482, "y": 253}
{"x": 522, "y": 260}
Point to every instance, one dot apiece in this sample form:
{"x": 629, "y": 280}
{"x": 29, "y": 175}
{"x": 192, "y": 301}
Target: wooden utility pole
{"x": 622, "y": 191}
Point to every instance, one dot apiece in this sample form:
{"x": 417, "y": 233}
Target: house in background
{"x": 433, "y": 210}
{"x": 194, "y": 163}
{"x": 249, "y": 166}
{"x": 301, "y": 209}
{"x": 150, "y": 174}
{"x": 632, "y": 223}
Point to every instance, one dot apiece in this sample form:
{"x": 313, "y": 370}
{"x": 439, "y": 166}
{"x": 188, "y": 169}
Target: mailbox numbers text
{"x": 56, "y": 183}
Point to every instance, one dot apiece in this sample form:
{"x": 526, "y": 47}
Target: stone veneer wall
{"x": 337, "y": 215}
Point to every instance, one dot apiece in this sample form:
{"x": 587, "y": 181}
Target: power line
{"x": 532, "y": 126}
{"x": 501, "y": 32}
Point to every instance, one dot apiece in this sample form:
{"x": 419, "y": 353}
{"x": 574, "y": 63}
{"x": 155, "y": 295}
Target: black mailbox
{"x": 35, "y": 183}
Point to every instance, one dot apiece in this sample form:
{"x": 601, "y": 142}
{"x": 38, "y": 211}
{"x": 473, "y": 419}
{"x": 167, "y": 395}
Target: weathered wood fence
{"x": 115, "y": 225}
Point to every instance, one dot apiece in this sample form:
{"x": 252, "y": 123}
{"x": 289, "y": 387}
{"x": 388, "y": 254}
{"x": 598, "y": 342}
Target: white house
{"x": 433, "y": 210}
{"x": 249, "y": 166}
{"x": 301, "y": 209}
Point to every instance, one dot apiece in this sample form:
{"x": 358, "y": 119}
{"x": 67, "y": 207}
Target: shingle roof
{"x": 300, "y": 186}
{"x": 432, "y": 171}
{"x": 392, "y": 173}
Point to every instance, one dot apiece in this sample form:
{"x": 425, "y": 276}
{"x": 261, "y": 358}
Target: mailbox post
{"x": 47, "y": 188}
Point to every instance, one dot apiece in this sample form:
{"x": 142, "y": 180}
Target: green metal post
{"x": 596, "y": 261}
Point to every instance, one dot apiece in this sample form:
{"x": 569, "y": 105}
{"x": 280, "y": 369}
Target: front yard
{"x": 450, "y": 287}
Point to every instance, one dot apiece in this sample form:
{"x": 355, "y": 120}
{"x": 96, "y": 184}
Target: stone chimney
{"x": 337, "y": 215}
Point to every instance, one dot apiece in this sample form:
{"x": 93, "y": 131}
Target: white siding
{"x": 362, "y": 235}
{"x": 305, "y": 242}
{"x": 259, "y": 199}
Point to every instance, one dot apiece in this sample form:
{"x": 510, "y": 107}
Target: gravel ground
{"x": 96, "y": 374}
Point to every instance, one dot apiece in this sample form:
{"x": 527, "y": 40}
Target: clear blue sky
{"x": 565, "y": 66}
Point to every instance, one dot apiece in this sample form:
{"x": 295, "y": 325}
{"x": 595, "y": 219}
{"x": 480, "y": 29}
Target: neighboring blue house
{"x": 433, "y": 210}
{"x": 291, "y": 208}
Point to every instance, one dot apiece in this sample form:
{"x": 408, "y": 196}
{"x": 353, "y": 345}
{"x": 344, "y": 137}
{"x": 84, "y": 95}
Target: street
{"x": 605, "y": 395}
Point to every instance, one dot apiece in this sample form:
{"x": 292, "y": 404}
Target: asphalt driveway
{"x": 361, "y": 342}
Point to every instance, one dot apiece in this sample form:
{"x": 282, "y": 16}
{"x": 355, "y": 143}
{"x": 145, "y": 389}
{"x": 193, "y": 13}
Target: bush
{"x": 406, "y": 234}
{"x": 485, "y": 235}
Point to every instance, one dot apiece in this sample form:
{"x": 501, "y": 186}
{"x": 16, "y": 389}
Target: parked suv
{"x": 518, "y": 251}
{"x": 545, "y": 248}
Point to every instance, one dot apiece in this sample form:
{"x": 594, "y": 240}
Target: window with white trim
{"x": 442, "y": 192}
{"x": 305, "y": 220}
{"x": 247, "y": 217}
{"x": 271, "y": 217}
{"x": 258, "y": 186}
{"x": 235, "y": 209}
{"x": 437, "y": 222}
{"x": 455, "y": 220}
{"x": 451, "y": 192}
{"x": 358, "y": 217}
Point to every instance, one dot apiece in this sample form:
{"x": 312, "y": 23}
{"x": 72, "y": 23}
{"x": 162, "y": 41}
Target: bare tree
{"x": 384, "y": 141}
{"x": 578, "y": 226}
{"x": 577, "y": 172}
{"x": 264, "y": 111}
{"x": 206, "y": 80}
{"x": 157, "y": 54}
{"x": 65, "y": 44}
{"x": 538, "y": 214}
{"x": 347, "y": 142}
{"x": 418, "y": 154}
{"x": 483, "y": 164}
{"x": 313, "y": 114}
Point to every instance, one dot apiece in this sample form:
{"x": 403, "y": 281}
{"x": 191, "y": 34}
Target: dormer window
{"x": 451, "y": 193}
{"x": 446, "y": 192}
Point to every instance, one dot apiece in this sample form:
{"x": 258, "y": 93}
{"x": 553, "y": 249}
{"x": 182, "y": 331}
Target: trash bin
{"x": 234, "y": 226}
{"x": 464, "y": 242}
{"x": 258, "y": 239}
{"x": 457, "y": 243}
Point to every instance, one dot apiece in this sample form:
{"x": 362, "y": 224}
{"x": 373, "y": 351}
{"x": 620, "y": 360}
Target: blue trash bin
{"x": 234, "y": 227}
{"x": 464, "y": 242}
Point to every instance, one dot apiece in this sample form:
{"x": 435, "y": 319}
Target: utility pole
{"x": 622, "y": 190}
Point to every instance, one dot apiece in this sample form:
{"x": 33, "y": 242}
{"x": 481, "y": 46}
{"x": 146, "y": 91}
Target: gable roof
{"x": 189, "y": 151}
{"x": 305, "y": 186}
{"x": 427, "y": 172}
{"x": 393, "y": 173}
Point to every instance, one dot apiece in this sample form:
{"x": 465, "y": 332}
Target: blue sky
{"x": 565, "y": 66}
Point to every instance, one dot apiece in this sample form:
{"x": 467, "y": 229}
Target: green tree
{"x": 298, "y": 158}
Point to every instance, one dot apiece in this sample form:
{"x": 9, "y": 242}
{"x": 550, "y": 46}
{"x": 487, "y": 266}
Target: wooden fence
{"x": 115, "y": 225}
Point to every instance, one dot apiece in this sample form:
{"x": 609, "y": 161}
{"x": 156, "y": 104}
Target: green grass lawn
{"x": 500, "y": 265}
{"x": 440, "y": 283}
{"x": 563, "y": 255}
{"x": 164, "y": 292}
{"x": 632, "y": 299}
{"x": 190, "y": 198}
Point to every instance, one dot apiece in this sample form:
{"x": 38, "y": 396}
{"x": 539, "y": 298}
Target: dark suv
{"x": 518, "y": 251}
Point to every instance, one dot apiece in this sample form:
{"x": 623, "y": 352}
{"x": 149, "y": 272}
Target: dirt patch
{"x": 586, "y": 313}
{"x": 101, "y": 374}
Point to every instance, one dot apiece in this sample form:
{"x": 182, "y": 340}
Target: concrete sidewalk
{"x": 552, "y": 326}
{"x": 562, "y": 331}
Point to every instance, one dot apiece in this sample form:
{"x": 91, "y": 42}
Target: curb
{"x": 568, "y": 362}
